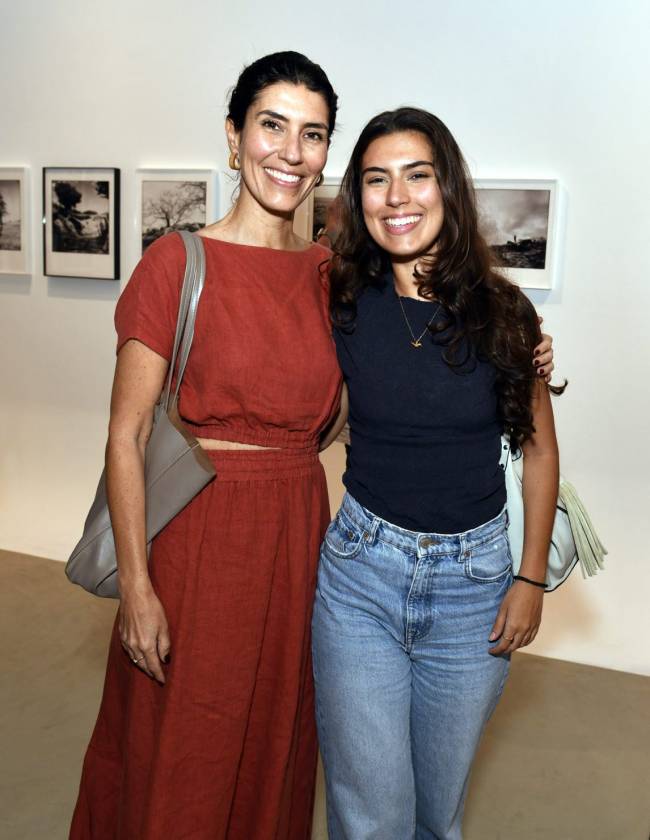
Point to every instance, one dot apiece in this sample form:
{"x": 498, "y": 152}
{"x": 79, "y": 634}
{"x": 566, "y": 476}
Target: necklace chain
{"x": 417, "y": 342}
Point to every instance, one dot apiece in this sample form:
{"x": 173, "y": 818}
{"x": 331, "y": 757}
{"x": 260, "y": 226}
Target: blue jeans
{"x": 404, "y": 680}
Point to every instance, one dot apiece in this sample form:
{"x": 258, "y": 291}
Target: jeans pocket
{"x": 343, "y": 539}
{"x": 490, "y": 561}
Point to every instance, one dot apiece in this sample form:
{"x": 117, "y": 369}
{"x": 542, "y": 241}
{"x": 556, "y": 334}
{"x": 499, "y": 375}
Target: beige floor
{"x": 566, "y": 756}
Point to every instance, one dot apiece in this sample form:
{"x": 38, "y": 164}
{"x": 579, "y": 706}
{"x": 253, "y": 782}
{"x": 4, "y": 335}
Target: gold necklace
{"x": 417, "y": 342}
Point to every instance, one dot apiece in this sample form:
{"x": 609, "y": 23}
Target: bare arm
{"x": 334, "y": 429}
{"x": 139, "y": 378}
{"x": 520, "y": 613}
{"x": 540, "y": 487}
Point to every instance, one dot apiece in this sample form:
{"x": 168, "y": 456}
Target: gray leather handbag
{"x": 176, "y": 468}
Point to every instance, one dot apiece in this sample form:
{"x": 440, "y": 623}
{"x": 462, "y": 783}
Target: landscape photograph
{"x": 514, "y": 223}
{"x": 80, "y": 217}
{"x": 10, "y": 215}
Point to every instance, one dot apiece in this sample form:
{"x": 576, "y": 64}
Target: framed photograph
{"x": 14, "y": 221}
{"x": 518, "y": 221}
{"x": 173, "y": 199}
{"x": 316, "y": 219}
{"x": 81, "y": 222}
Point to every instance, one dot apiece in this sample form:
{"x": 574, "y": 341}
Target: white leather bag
{"x": 573, "y": 539}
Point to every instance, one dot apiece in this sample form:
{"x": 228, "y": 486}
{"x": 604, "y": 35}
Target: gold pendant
{"x": 416, "y": 343}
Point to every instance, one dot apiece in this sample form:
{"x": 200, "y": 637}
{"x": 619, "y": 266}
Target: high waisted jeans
{"x": 404, "y": 680}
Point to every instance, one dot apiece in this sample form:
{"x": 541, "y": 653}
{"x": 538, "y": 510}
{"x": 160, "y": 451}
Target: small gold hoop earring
{"x": 320, "y": 180}
{"x": 233, "y": 161}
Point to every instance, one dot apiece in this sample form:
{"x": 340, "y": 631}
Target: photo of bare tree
{"x": 171, "y": 205}
{"x": 168, "y": 200}
{"x": 15, "y": 251}
{"x": 516, "y": 218}
{"x": 80, "y": 216}
{"x": 10, "y": 215}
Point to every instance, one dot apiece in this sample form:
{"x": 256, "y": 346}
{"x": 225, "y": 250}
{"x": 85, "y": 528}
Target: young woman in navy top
{"x": 416, "y": 611}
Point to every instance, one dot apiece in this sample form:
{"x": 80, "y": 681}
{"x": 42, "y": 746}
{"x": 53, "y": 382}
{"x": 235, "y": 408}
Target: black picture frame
{"x": 81, "y": 222}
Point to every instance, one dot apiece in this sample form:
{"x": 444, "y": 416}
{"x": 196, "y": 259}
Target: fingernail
{"x": 537, "y": 352}
{"x": 541, "y": 371}
{"x": 536, "y": 362}
{"x": 166, "y": 659}
{"x": 492, "y": 637}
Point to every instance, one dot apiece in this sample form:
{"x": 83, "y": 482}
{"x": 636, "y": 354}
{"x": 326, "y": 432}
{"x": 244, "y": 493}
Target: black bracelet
{"x": 528, "y": 580}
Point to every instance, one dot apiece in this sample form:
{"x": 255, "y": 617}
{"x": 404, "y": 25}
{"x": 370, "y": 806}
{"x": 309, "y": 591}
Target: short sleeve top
{"x": 425, "y": 437}
{"x": 263, "y": 368}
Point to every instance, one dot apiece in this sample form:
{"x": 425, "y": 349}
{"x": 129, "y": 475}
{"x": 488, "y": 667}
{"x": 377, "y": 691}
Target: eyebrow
{"x": 406, "y": 166}
{"x": 283, "y": 119}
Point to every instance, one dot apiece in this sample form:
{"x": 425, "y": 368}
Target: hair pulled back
{"x": 289, "y": 66}
{"x": 488, "y": 316}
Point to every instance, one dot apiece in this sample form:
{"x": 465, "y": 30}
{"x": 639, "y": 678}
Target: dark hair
{"x": 287, "y": 66}
{"x": 488, "y": 317}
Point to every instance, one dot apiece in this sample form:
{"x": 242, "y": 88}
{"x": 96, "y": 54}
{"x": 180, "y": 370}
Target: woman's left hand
{"x": 518, "y": 619}
{"x": 543, "y": 360}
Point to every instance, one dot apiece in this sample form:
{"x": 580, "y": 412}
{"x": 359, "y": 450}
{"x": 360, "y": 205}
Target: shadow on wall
{"x": 15, "y": 284}
{"x": 81, "y": 288}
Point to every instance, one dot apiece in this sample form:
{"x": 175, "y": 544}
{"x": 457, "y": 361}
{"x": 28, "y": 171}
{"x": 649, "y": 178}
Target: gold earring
{"x": 320, "y": 179}
{"x": 233, "y": 160}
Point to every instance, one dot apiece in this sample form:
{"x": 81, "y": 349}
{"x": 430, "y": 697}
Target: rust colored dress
{"x": 226, "y": 749}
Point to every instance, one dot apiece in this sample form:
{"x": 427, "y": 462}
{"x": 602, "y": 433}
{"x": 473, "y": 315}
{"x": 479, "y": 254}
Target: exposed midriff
{"x": 210, "y": 443}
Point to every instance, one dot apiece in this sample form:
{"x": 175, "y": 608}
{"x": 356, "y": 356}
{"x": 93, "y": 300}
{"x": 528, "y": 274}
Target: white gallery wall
{"x": 550, "y": 89}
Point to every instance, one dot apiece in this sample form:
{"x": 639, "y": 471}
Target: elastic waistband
{"x": 423, "y": 543}
{"x": 262, "y": 464}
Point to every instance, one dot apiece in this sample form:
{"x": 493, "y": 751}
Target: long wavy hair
{"x": 487, "y": 316}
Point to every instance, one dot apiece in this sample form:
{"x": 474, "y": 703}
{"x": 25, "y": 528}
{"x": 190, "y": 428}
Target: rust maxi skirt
{"x": 226, "y": 749}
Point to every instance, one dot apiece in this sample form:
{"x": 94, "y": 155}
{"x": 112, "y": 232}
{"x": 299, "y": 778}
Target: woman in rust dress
{"x": 206, "y": 725}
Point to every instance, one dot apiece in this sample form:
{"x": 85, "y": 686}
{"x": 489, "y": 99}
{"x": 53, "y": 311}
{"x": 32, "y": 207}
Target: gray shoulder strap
{"x": 189, "y": 301}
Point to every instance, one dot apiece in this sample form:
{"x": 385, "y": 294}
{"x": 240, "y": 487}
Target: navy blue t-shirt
{"x": 425, "y": 439}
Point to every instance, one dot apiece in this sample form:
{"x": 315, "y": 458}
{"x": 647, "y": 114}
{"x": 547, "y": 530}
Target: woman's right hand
{"x": 139, "y": 378}
{"x": 143, "y": 630}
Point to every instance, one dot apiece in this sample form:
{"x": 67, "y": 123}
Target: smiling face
{"x": 282, "y": 147}
{"x": 402, "y": 204}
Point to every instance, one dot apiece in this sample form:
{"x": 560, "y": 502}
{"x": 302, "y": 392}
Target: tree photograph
{"x": 171, "y": 205}
{"x": 80, "y": 216}
{"x": 10, "y": 215}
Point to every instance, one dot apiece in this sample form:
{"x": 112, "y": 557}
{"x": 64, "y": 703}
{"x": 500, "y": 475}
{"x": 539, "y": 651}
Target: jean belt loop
{"x": 373, "y": 529}
{"x": 463, "y": 547}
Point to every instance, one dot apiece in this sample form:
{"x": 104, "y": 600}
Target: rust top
{"x": 263, "y": 368}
